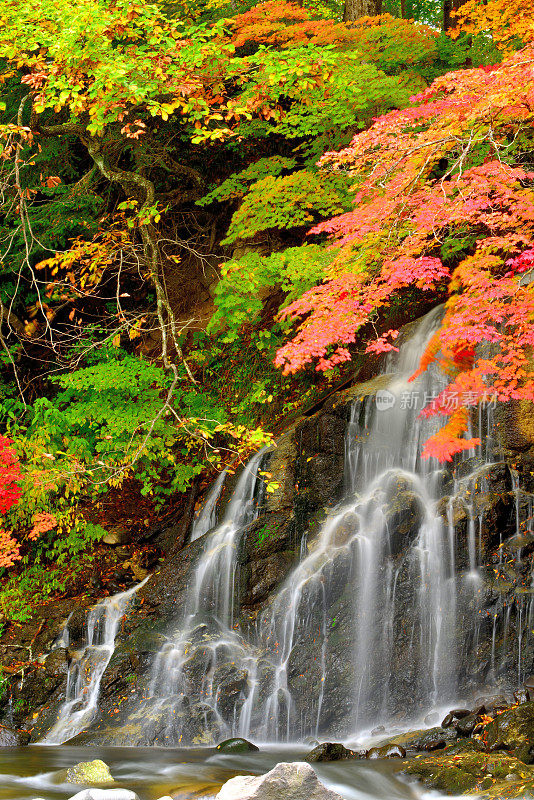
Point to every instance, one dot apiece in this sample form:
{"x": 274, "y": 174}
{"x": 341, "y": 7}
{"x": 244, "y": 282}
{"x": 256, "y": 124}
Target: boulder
{"x": 236, "y": 746}
{"x": 86, "y": 772}
{"x": 466, "y": 725}
{"x": 9, "y": 737}
{"x": 296, "y": 781}
{"x": 106, "y": 794}
{"x": 513, "y": 728}
{"x": 430, "y": 739}
{"x": 329, "y": 751}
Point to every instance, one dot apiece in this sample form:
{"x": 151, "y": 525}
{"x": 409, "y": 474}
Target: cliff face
{"x": 234, "y": 680}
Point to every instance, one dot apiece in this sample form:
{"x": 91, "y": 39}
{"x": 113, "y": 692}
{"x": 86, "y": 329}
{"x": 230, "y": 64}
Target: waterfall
{"x": 188, "y": 661}
{"x": 88, "y": 666}
{"x": 359, "y": 543}
{"x": 392, "y": 608}
{"x": 206, "y": 519}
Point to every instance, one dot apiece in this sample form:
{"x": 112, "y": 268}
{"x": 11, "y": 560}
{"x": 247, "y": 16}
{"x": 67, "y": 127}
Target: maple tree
{"x": 510, "y": 22}
{"x": 443, "y": 203}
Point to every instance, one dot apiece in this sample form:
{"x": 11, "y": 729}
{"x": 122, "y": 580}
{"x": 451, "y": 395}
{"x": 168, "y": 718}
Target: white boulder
{"x": 105, "y": 794}
{"x": 287, "y": 781}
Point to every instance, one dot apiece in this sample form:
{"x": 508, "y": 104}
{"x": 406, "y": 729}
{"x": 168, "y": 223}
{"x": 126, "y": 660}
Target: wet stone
{"x": 466, "y": 725}
{"x": 236, "y": 745}
{"x": 521, "y": 696}
{"x": 329, "y": 751}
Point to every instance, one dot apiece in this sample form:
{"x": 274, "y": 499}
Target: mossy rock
{"x": 514, "y": 728}
{"x": 329, "y": 751}
{"x": 494, "y": 775}
{"x": 423, "y": 739}
{"x": 236, "y": 746}
{"x": 86, "y": 773}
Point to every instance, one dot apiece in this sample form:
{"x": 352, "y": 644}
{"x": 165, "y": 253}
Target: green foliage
{"x": 238, "y": 295}
{"x": 288, "y": 202}
{"x": 238, "y": 184}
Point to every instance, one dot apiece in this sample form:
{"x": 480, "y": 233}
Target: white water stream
{"x": 88, "y": 666}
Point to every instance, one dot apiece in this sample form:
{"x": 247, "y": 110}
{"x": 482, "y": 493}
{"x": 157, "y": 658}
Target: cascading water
{"x": 88, "y": 666}
{"x": 205, "y": 636}
{"x": 206, "y": 518}
{"x": 360, "y": 545}
{"x": 393, "y": 607}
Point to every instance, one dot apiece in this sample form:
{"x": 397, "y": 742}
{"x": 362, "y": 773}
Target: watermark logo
{"x": 384, "y": 399}
{"x": 448, "y": 400}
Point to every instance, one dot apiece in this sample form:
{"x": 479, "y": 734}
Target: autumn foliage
{"x": 511, "y": 22}
{"x": 10, "y": 493}
{"x": 444, "y": 204}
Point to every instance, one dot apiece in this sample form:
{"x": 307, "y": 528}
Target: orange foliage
{"x": 384, "y": 39}
{"x": 510, "y": 21}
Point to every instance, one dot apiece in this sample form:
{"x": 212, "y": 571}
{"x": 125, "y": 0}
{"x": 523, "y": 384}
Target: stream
{"x": 189, "y": 774}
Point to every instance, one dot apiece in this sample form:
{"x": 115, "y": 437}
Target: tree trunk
{"x": 355, "y": 9}
{"x": 448, "y": 7}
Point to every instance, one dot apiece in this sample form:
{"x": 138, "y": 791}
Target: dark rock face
{"x": 12, "y": 738}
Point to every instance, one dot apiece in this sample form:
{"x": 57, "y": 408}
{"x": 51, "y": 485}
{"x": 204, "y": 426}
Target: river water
{"x": 187, "y": 774}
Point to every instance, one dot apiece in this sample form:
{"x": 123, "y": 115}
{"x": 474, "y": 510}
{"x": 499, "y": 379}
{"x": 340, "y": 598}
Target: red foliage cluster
{"x": 10, "y": 493}
{"x": 10, "y": 476}
{"x": 443, "y": 202}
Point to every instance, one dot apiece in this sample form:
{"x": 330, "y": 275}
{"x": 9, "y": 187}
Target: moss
{"x": 497, "y": 775}
{"x": 86, "y": 773}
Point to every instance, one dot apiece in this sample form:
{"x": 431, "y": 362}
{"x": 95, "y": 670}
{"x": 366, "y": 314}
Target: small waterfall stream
{"x": 88, "y": 666}
{"x": 205, "y": 634}
{"x": 206, "y": 519}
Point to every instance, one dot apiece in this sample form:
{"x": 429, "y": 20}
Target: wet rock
{"x": 236, "y": 745}
{"x": 518, "y": 541}
{"x": 466, "y": 725}
{"x": 266, "y": 574}
{"x": 460, "y": 713}
{"x": 296, "y": 781}
{"x": 491, "y": 705}
{"x": 282, "y": 463}
{"x": 431, "y": 718}
{"x": 404, "y": 514}
{"x": 231, "y": 683}
{"x": 329, "y": 751}
{"x": 9, "y": 737}
{"x": 105, "y": 794}
{"x": 377, "y": 730}
{"x": 529, "y": 683}
{"x": 387, "y": 751}
{"x": 86, "y": 772}
{"x": 57, "y": 663}
{"x": 420, "y": 740}
{"x": 514, "y": 728}
{"x": 521, "y": 696}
